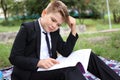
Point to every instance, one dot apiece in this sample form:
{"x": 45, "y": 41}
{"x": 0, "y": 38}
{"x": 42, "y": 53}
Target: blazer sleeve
{"x": 65, "y": 48}
{"x": 17, "y": 56}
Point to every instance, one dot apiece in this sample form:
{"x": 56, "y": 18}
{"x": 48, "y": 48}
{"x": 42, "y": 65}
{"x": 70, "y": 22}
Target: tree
{"x": 76, "y": 5}
{"x": 100, "y": 6}
{"x": 114, "y": 6}
{"x": 35, "y": 6}
{"x": 5, "y": 5}
{"x": 17, "y": 10}
{"x": 4, "y": 8}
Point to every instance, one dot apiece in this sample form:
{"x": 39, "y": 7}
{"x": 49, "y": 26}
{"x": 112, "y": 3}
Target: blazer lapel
{"x": 38, "y": 31}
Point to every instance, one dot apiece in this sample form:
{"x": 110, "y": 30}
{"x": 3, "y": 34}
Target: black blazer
{"x": 26, "y": 49}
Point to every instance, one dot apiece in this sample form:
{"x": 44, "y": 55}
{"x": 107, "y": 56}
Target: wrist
{"x": 73, "y": 32}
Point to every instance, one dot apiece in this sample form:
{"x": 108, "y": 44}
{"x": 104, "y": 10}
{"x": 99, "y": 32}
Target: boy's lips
{"x": 50, "y": 28}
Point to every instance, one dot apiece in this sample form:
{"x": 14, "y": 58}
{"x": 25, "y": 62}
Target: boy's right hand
{"x": 47, "y": 63}
{"x": 72, "y": 24}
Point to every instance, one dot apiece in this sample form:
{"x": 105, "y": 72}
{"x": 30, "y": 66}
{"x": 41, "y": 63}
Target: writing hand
{"x": 47, "y": 63}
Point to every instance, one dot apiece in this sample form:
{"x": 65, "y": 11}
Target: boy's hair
{"x": 58, "y": 6}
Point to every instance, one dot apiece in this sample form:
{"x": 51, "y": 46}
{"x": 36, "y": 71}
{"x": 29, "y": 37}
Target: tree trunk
{"x": 116, "y": 16}
{"x": 4, "y": 8}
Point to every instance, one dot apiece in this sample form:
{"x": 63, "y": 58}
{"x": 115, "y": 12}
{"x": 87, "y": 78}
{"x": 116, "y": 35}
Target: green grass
{"x": 9, "y": 29}
{"x": 98, "y": 25}
{"x": 11, "y": 26}
{"x": 103, "y": 44}
{"x": 4, "y": 54}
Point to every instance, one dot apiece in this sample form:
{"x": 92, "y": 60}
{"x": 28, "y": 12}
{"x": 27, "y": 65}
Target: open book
{"x": 81, "y": 56}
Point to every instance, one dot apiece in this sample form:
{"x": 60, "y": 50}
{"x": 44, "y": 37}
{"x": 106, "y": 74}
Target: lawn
{"x": 4, "y": 54}
{"x": 11, "y": 26}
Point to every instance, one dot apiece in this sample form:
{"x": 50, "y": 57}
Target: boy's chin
{"x": 54, "y": 30}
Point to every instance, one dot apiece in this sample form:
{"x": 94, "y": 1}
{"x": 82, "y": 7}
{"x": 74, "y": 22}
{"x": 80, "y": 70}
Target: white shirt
{"x": 44, "y": 54}
{"x": 75, "y": 57}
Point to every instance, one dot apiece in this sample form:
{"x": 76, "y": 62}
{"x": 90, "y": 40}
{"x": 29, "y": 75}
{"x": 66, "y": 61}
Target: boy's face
{"x": 51, "y": 21}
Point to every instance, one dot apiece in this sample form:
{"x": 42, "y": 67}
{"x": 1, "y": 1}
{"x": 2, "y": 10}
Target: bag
{"x": 74, "y": 73}
{"x": 1, "y": 75}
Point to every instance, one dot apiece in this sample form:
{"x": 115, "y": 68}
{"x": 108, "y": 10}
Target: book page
{"x": 75, "y": 57}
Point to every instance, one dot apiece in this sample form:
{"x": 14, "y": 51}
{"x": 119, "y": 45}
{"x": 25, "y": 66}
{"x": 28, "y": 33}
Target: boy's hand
{"x": 72, "y": 24}
{"x": 47, "y": 63}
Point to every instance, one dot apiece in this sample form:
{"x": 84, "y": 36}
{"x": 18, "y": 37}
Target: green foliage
{"x": 10, "y": 23}
{"x": 35, "y": 6}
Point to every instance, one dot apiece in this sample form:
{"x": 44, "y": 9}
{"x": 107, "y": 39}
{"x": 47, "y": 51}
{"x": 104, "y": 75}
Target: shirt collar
{"x": 41, "y": 27}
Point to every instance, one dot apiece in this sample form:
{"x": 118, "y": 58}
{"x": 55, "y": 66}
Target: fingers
{"x": 54, "y": 61}
{"x": 47, "y": 63}
{"x": 72, "y": 25}
{"x": 51, "y": 62}
{"x": 71, "y": 21}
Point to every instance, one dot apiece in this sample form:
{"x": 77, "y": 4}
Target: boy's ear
{"x": 44, "y": 12}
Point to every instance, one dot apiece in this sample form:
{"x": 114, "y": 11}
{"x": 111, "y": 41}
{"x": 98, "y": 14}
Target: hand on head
{"x": 72, "y": 24}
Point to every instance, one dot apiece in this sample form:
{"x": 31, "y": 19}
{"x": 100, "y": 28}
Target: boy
{"x": 37, "y": 44}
